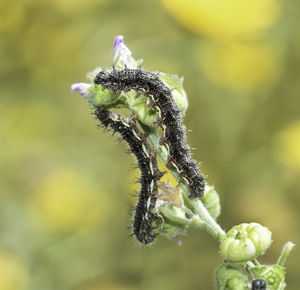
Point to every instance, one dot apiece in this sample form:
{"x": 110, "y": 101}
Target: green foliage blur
{"x": 65, "y": 185}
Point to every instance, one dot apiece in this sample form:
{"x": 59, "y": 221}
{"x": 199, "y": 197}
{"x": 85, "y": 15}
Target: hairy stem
{"x": 194, "y": 204}
{"x": 181, "y": 220}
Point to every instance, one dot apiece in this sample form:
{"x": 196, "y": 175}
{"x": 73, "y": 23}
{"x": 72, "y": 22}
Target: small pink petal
{"x": 118, "y": 41}
{"x": 82, "y": 88}
{"x": 120, "y": 48}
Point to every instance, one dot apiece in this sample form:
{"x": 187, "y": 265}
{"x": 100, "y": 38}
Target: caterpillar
{"x": 144, "y": 215}
{"x": 174, "y": 137}
{"x": 259, "y": 284}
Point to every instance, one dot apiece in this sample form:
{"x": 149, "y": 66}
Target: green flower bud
{"x": 274, "y": 276}
{"x": 245, "y": 242}
{"x": 228, "y": 278}
{"x": 176, "y": 85}
{"x": 171, "y": 229}
{"x": 138, "y": 105}
{"x": 93, "y": 93}
{"x": 102, "y": 98}
{"x": 211, "y": 201}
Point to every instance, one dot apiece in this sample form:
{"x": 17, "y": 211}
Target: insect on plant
{"x": 157, "y": 103}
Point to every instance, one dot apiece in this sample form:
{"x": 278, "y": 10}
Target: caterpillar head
{"x": 102, "y": 77}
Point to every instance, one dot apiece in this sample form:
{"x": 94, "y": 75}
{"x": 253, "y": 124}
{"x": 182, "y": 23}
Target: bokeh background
{"x": 65, "y": 186}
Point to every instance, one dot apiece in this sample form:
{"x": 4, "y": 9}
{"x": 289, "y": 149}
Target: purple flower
{"x": 82, "y": 88}
{"x": 121, "y": 50}
{"x": 119, "y": 40}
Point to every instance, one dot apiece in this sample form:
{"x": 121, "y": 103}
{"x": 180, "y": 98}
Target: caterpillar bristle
{"x": 161, "y": 99}
{"x": 127, "y": 129}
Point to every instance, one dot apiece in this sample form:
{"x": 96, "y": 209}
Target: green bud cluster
{"x": 274, "y": 275}
{"x": 231, "y": 278}
{"x": 211, "y": 201}
{"x": 245, "y": 242}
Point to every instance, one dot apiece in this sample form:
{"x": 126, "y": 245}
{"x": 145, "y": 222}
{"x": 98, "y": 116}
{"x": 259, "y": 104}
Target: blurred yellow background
{"x": 64, "y": 185}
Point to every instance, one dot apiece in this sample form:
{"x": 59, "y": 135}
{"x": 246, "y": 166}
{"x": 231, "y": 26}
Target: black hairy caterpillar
{"x": 170, "y": 120}
{"x": 259, "y": 284}
{"x": 144, "y": 216}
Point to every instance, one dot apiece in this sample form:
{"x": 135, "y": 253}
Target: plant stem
{"x": 195, "y": 204}
{"x": 181, "y": 220}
